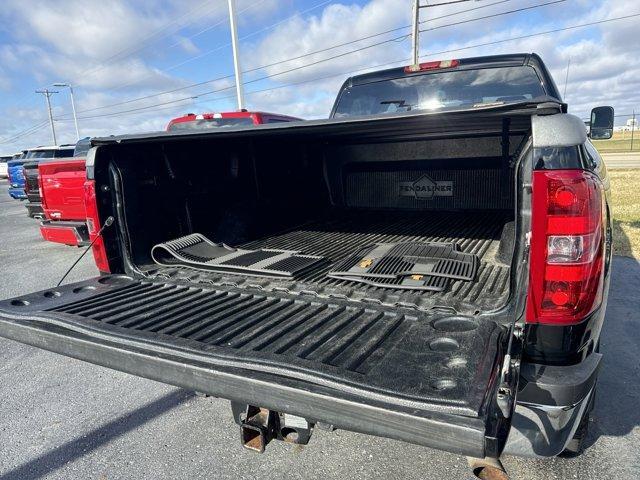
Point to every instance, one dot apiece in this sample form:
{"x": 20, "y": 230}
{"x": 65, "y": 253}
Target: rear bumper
{"x": 34, "y": 210}
{"x": 18, "y": 193}
{"x": 551, "y": 403}
{"x": 69, "y": 233}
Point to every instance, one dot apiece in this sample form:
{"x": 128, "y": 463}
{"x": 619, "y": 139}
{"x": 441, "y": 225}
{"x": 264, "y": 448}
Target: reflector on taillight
{"x": 567, "y": 246}
{"x": 93, "y": 226}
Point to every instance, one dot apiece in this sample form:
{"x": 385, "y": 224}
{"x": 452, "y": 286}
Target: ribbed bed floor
{"x": 477, "y": 232}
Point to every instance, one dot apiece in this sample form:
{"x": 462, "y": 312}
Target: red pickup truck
{"x": 62, "y": 182}
{"x": 63, "y": 197}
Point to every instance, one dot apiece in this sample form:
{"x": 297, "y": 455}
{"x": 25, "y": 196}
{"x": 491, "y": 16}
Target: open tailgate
{"x": 397, "y": 373}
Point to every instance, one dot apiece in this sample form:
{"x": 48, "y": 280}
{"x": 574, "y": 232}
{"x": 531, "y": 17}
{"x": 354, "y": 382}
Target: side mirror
{"x": 601, "y": 123}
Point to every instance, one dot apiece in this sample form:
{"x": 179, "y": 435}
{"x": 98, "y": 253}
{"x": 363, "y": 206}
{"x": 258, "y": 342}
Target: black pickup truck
{"x": 431, "y": 264}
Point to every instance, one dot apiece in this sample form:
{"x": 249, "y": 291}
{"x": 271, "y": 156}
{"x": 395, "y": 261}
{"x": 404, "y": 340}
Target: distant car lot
{"x": 64, "y": 419}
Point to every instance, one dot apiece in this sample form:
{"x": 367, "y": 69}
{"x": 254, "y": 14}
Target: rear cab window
{"x": 451, "y": 89}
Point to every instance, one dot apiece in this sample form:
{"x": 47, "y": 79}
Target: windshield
{"x": 207, "y": 123}
{"x": 435, "y": 91}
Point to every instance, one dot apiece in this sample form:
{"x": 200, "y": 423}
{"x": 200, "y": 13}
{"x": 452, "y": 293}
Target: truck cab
{"x": 431, "y": 264}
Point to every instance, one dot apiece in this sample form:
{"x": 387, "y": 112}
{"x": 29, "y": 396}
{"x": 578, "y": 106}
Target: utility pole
{"x": 47, "y": 94}
{"x": 73, "y": 106}
{"x": 236, "y": 55}
{"x": 415, "y": 35}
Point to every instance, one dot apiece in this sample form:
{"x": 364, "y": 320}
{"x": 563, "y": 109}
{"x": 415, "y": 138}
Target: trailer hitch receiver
{"x": 258, "y": 426}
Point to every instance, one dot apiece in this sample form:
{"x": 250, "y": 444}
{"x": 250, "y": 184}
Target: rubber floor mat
{"x": 197, "y": 251}
{"x": 408, "y": 265}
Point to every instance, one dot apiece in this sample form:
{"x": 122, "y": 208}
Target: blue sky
{"x": 121, "y": 55}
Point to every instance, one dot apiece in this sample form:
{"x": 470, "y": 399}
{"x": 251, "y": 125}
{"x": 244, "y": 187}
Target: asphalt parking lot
{"x": 64, "y": 419}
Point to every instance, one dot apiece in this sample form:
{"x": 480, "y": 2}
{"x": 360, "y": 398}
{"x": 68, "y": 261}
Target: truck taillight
{"x": 567, "y": 247}
{"x": 93, "y": 226}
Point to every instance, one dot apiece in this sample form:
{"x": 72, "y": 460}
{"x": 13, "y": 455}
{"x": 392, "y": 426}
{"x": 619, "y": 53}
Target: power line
{"x": 444, "y": 3}
{"x": 26, "y": 132}
{"x": 493, "y": 15}
{"x": 204, "y": 54}
{"x": 395, "y": 38}
{"x": 287, "y": 85}
{"x": 368, "y": 37}
{"x": 495, "y": 42}
{"x": 190, "y": 59}
{"x": 262, "y": 67}
{"x": 217, "y": 24}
